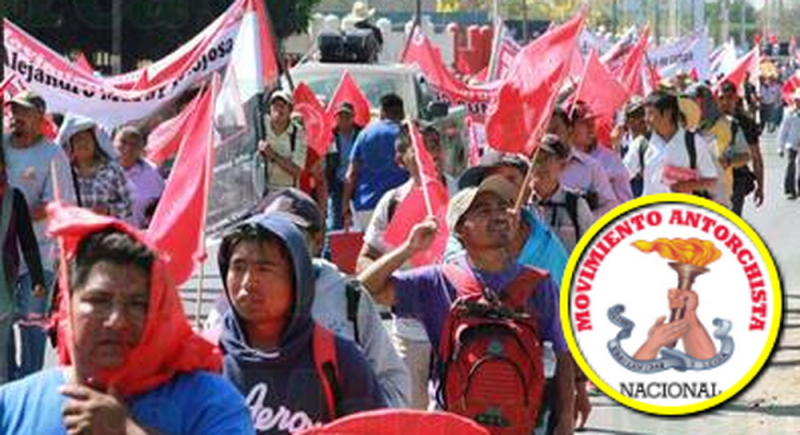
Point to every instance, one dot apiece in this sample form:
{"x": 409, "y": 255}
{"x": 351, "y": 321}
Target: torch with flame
{"x": 689, "y": 258}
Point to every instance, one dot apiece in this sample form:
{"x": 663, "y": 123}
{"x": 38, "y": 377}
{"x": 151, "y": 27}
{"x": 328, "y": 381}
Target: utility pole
{"x": 116, "y": 37}
{"x": 418, "y": 16}
{"x": 699, "y": 13}
{"x": 673, "y": 18}
{"x": 524, "y": 22}
{"x": 614, "y": 18}
{"x": 657, "y": 5}
{"x": 724, "y": 21}
{"x": 742, "y": 34}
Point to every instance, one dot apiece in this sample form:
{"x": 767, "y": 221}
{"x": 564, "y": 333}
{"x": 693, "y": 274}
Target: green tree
{"x": 735, "y": 18}
{"x": 151, "y": 28}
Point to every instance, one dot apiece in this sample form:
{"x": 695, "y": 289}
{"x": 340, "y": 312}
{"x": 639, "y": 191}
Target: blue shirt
{"x": 191, "y": 403}
{"x": 344, "y": 146}
{"x": 378, "y": 172}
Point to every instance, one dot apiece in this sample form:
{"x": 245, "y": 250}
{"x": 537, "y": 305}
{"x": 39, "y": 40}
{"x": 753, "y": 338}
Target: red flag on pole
{"x": 178, "y": 225}
{"x": 315, "y": 120}
{"x": 525, "y": 101}
{"x": 603, "y": 94}
{"x": 427, "y": 199}
{"x": 83, "y": 64}
{"x": 748, "y": 63}
{"x": 630, "y": 74}
{"x": 165, "y": 140}
{"x": 348, "y": 91}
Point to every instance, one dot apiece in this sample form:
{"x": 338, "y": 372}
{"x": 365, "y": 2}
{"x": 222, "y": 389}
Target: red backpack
{"x": 491, "y": 354}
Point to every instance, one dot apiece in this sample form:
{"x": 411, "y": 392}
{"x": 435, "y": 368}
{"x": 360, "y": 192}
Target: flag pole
{"x": 412, "y": 131}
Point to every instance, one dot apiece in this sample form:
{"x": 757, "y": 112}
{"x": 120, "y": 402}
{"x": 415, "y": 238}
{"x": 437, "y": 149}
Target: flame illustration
{"x": 692, "y": 251}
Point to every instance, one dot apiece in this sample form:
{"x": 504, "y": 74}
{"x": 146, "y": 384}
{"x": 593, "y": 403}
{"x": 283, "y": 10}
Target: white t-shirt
{"x": 282, "y": 145}
{"x": 661, "y": 154}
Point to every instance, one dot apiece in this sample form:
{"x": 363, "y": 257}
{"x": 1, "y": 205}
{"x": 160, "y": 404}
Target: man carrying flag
{"x": 400, "y": 209}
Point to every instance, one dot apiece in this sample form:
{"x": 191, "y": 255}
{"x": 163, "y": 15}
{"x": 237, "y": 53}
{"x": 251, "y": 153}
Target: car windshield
{"x": 373, "y": 85}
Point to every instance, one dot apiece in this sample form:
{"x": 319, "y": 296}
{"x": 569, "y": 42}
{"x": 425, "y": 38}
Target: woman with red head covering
{"x": 131, "y": 362}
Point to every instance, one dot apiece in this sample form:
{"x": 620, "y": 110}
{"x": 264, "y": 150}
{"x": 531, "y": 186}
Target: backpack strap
{"x": 572, "y": 212}
{"x": 353, "y": 294}
{"x": 515, "y": 294}
{"x": 462, "y": 279}
{"x": 292, "y": 140}
{"x": 643, "y": 144}
{"x": 691, "y": 149}
{"x": 327, "y": 367}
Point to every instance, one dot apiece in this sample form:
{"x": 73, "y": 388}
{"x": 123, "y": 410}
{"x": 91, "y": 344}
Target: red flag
{"x": 748, "y": 63}
{"x": 603, "y": 94}
{"x": 168, "y": 345}
{"x": 143, "y": 82}
{"x": 178, "y": 225}
{"x": 315, "y": 120}
{"x": 421, "y": 52}
{"x": 348, "y": 91}
{"x": 525, "y": 101}
{"x": 630, "y": 74}
{"x": 411, "y": 211}
{"x": 83, "y": 64}
{"x": 790, "y": 86}
{"x": 429, "y": 199}
{"x": 165, "y": 140}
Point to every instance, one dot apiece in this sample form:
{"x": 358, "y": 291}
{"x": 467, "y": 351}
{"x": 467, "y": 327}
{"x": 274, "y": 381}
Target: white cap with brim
{"x": 461, "y": 202}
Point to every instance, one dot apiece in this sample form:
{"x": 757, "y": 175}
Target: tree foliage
{"x": 151, "y": 28}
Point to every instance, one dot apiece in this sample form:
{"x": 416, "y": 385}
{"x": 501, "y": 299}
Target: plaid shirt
{"x": 107, "y": 187}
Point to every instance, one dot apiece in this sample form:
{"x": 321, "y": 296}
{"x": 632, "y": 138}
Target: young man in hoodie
{"x": 269, "y": 337}
{"x": 130, "y": 362}
{"x": 340, "y": 303}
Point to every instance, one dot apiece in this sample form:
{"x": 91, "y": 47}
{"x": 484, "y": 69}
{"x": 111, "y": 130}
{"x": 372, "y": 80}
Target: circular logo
{"x": 671, "y": 304}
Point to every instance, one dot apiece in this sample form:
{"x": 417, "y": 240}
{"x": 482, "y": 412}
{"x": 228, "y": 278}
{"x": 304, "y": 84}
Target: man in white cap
{"x": 30, "y": 159}
{"x": 481, "y": 218}
{"x": 789, "y": 141}
{"x": 285, "y": 148}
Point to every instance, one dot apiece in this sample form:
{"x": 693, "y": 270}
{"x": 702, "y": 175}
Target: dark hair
{"x": 132, "y": 131}
{"x": 111, "y": 246}
{"x": 403, "y": 141}
{"x": 392, "y": 106}
{"x": 664, "y": 101}
{"x": 255, "y": 234}
{"x": 562, "y": 114}
{"x": 551, "y": 145}
{"x": 727, "y": 87}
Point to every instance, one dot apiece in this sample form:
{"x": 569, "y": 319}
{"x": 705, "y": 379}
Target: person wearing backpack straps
{"x": 409, "y": 335}
{"x": 669, "y": 166}
{"x": 284, "y": 148}
{"x": 281, "y": 360}
{"x": 566, "y": 212}
{"x": 480, "y": 217}
{"x": 341, "y": 304}
{"x": 745, "y": 180}
{"x": 638, "y": 135}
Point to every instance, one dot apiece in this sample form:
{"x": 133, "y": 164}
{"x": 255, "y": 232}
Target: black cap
{"x": 475, "y": 175}
{"x": 298, "y": 207}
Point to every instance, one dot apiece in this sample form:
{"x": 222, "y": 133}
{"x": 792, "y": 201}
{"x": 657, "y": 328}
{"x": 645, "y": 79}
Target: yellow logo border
{"x": 667, "y": 198}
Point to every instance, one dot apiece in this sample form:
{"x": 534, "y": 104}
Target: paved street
{"x": 772, "y": 403}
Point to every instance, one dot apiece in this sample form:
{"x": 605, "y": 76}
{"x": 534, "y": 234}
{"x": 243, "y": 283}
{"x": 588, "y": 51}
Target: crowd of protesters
{"x": 294, "y": 341}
